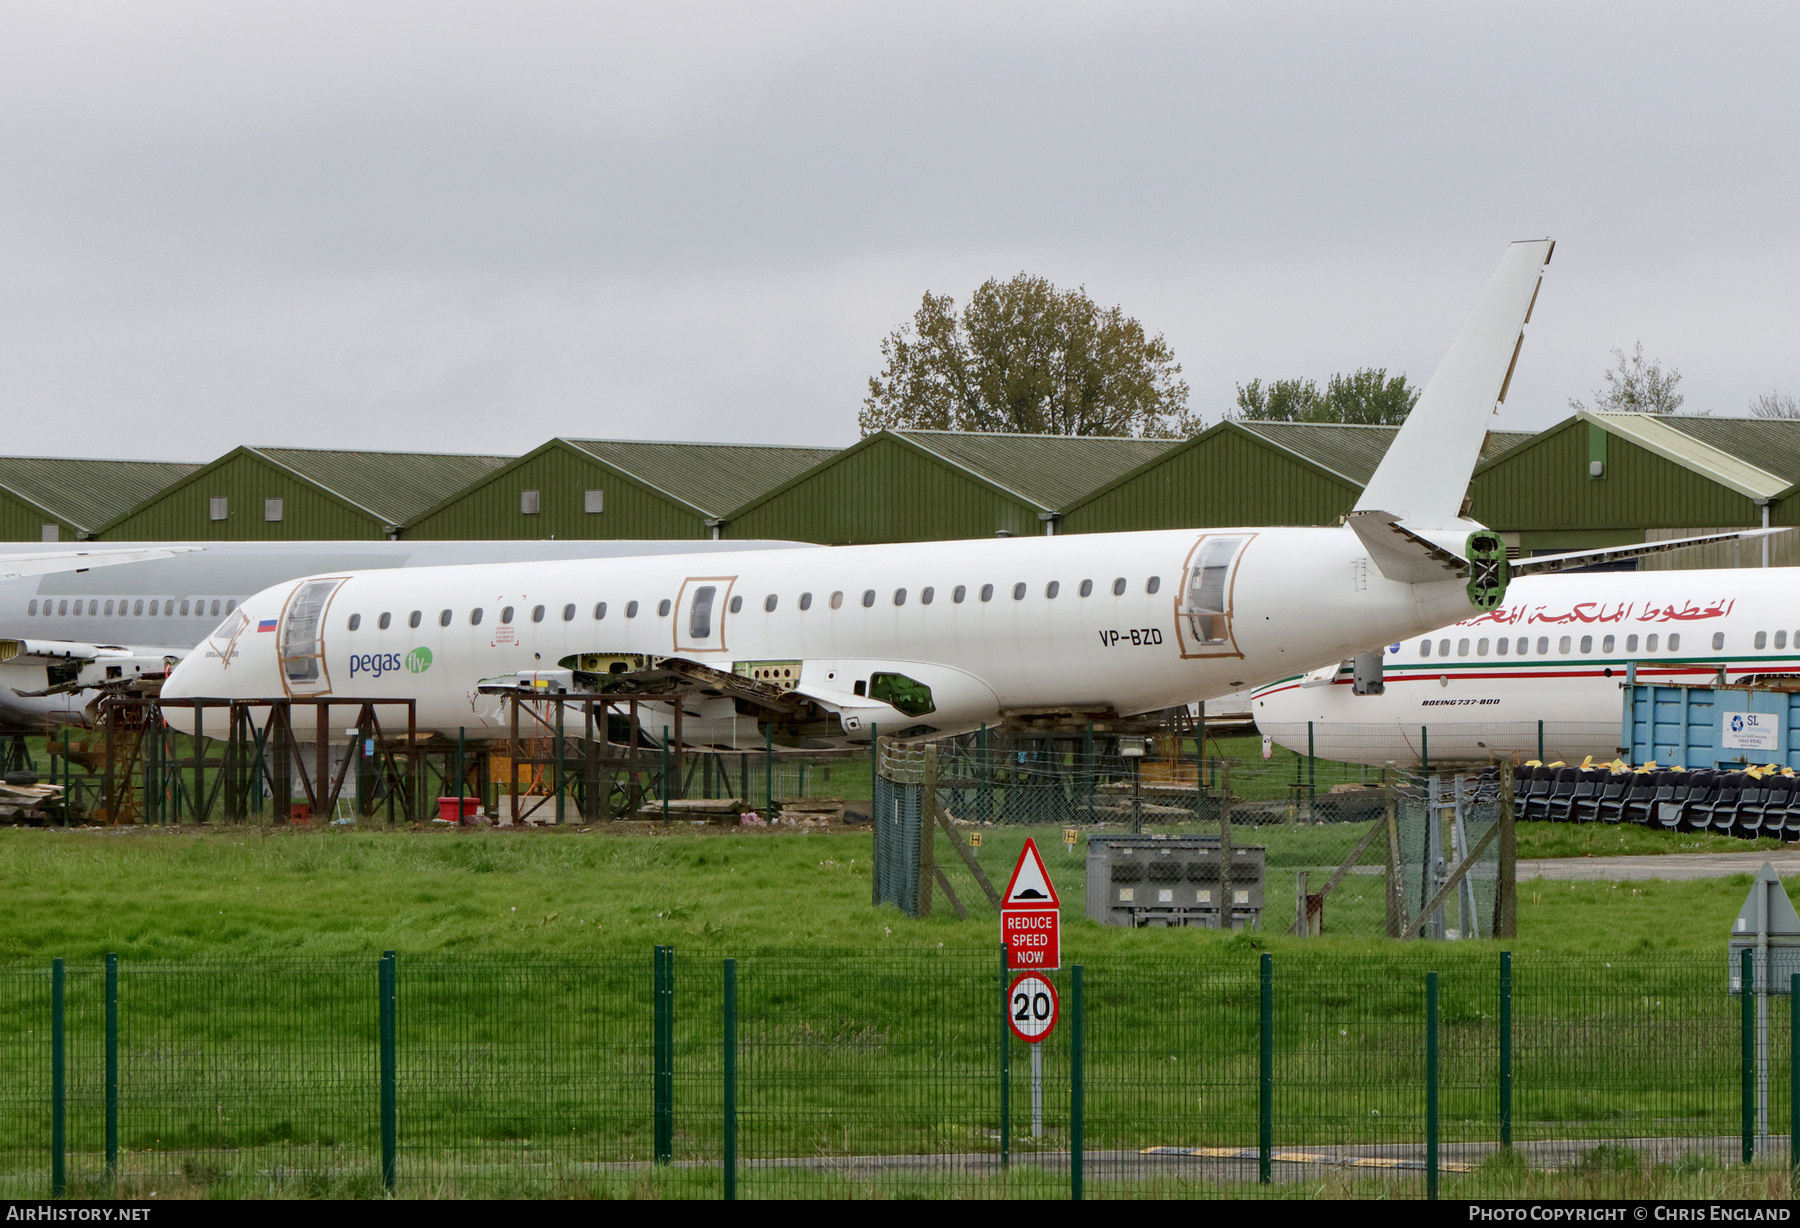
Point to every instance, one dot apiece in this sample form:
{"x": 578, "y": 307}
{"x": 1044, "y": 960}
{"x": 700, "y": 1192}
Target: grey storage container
{"x": 1140, "y": 881}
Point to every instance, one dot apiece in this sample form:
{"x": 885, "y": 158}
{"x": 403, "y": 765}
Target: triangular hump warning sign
{"x": 1782, "y": 921}
{"x": 1030, "y": 884}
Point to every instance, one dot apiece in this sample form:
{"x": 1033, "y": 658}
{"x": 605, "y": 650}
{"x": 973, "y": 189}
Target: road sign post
{"x": 1031, "y": 1012}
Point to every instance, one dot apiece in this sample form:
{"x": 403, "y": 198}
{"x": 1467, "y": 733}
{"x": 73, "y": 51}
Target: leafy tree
{"x": 1636, "y": 386}
{"x": 1776, "y": 405}
{"x": 1369, "y": 396}
{"x": 1026, "y": 357}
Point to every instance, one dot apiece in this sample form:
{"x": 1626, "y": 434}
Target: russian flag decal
{"x": 267, "y": 624}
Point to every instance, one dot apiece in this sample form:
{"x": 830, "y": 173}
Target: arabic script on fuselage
{"x": 1602, "y": 612}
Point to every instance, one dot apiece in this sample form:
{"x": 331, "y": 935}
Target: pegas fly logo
{"x": 375, "y": 664}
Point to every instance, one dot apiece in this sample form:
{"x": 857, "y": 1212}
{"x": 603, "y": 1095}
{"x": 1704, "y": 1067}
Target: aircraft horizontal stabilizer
{"x": 1551, "y": 563}
{"x": 1402, "y": 555}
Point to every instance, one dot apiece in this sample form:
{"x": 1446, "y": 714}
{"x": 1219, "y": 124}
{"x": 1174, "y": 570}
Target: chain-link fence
{"x": 834, "y": 1073}
{"x": 1395, "y": 854}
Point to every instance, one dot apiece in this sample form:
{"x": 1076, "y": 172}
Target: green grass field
{"x": 248, "y": 1034}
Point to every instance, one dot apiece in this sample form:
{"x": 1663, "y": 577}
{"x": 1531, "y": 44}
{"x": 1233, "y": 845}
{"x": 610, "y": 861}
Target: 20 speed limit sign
{"x": 1031, "y": 1007}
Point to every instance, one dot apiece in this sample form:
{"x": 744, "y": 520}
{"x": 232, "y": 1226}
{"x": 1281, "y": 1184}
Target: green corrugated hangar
{"x": 908, "y": 486}
{"x": 299, "y": 494}
{"x": 50, "y": 499}
{"x": 1612, "y": 479}
{"x": 614, "y": 489}
{"x": 1246, "y": 473}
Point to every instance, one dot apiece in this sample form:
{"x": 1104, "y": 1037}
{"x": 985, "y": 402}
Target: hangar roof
{"x": 85, "y": 494}
{"x": 1757, "y": 457}
{"x": 1051, "y": 471}
{"x": 392, "y": 486}
{"x": 1350, "y": 450}
{"x": 712, "y": 478}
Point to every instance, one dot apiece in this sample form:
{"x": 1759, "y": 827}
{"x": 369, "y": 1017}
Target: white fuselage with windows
{"x": 103, "y": 621}
{"x": 1555, "y": 653}
{"x": 926, "y": 638}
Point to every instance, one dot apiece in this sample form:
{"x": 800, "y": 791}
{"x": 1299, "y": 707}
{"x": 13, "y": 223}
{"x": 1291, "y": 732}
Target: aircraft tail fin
{"x": 1425, "y": 475}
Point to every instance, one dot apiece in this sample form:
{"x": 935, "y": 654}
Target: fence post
{"x": 731, "y": 1047}
{"x": 390, "y": 1108}
{"x": 1005, "y": 1067}
{"x": 1077, "y": 1098}
{"x": 1793, "y": 1080}
{"x": 1265, "y": 1077}
{"x": 1748, "y": 1061}
{"x": 1506, "y": 1049}
{"x": 769, "y": 772}
{"x": 112, "y": 1066}
{"x": 59, "y": 1179}
{"x": 662, "y": 1056}
{"x": 1431, "y": 1085}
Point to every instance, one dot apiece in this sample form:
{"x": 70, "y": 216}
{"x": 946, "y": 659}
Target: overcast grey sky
{"x": 471, "y": 227}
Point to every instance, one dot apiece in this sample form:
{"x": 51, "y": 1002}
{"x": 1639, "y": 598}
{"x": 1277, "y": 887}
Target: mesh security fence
{"x": 847, "y": 1073}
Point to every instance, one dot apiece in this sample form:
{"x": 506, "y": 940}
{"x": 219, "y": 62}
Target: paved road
{"x": 1672, "y": 866}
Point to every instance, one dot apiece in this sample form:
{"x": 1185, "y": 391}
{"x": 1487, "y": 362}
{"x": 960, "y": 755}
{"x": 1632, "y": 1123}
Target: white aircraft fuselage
{"x": 987, "y": 626}
{"x": 1556, "y": 652}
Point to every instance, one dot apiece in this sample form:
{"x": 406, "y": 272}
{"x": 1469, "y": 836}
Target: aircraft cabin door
{"x": 301, "y": 646}
{"x": 700, "y": 614}
{"x": 1205, "y": 625}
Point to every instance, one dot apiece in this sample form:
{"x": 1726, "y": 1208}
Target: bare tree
{"x": 1636, "y": 386}
{"x": 1776, "y": 405}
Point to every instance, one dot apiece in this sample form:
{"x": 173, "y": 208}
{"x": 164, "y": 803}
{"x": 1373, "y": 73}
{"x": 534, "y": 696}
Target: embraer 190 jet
{"x": 818, "y": 646}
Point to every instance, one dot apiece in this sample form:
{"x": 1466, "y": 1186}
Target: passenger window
{"x": 537, "y": 613}
{"x": 1718, "y": 640}
{"x": 1631, "y": 643}
{"x": 1587, "y": 644}
{"x": 868, "y": 597}
{"x": 1051, "y": 589}
{"x": 1650, "y": 643}
{"x": 415, "y": 618}
{"x": 806, "y": 601}
{"x": 1424, "y": 648}
{"x": 1462, "y": 648}
{"x": 1153, "y": 584}
{"x": 32, "y": 607}
{"x": 475, "y": 617}
{"x": 769, "y": 604}
{"x": 184, "y": 608}
{"x": 1781, "y": 639}
{"x": 1443, "y": 648}
{"x": 1675, "y": 642}
{"x": 506, "y": 615}
{"x": 444, "y": 618}
{"x": 229, "y": 606}
{"x": 384, "y": 621}
{"x": 1481, "y": 647}
{"x": 215, "y": 607}
{"x": 663, "y": 607}
{"x": 355, "y": 621}
{"x": 137, "y": 607}
{"x": 1762, "y": 638}
{"x": 1019, "y": 591}
{"x": 737, "y": 603}
{"x": 700, "y": 612}
{"x": 1563, "y": 645}
{"x": 1500, "y": 646}
{"x": 926, "y": 594}
{"x": 569, "y": 613}
{"x": 1087, "y": 588}
{"x": 958, "y": 593}
{"x": 1606, "y": 645}
{"x": 837, "y": 600}
{"x": 109, "y": 606}
{"x": 987, "y": 592}
{"x": 599, "y": 610}
{"x": 1119, "y": 587}
{"x": 899, "y": 596}
{"x": 1543, "y": 646}
{"x": 63, "y": 607}
{"x": 631, "y": 609}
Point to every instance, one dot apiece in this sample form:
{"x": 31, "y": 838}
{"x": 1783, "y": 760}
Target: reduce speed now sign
{"x": 1030, "y": 924}
{"x": 1031, "y": 1007}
